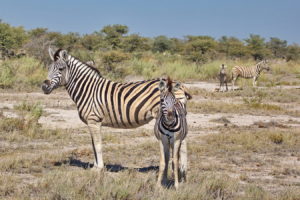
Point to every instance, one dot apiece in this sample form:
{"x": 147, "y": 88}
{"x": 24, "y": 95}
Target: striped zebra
{"x": 102, "y": 102}
{"x": 171, "y": 129}
{"x": 223, "y": 78}
{"x": 249, "y": 72}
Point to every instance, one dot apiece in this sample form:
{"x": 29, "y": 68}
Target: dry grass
{"x": 229, "y": 163}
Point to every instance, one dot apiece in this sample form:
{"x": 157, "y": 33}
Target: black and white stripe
{"x": 223, "y": 77}
{"x": 249, "y": 72}
{"x": 171, "y": 130}
{"x": 102, "y": 101}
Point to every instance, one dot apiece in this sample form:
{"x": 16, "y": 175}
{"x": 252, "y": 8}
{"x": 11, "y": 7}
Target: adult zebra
{"x": 249, "y": 72}
{"x": 101, "y": 102}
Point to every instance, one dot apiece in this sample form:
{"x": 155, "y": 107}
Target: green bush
{"x": 24, "y": 73}
{"x": 6, "y": 76}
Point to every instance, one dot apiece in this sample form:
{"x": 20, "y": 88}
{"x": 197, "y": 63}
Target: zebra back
{"x": 114, "y": 104}
{"x": 250, "y": 72}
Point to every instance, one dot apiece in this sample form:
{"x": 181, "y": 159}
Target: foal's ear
{"x": 51, "y": 53}
{"x": 162, "y": 85}
{"x": 176, "y": 87}
{"x": 63, "y": 54}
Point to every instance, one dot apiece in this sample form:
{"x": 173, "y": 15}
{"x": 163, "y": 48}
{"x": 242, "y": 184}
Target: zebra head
{"x": 57, "y": 71}
{"x": 264, "y": 65}
{"x": 168, "y": 99}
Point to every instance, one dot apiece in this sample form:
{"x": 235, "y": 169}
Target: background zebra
{"x": 249, "y": 72}
{"x": 102, "y": 102}
{"x": 171, "y": 129}
{"x": 223, "y": 77}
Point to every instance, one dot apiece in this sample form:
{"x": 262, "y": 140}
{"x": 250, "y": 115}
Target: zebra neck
{"x": 81, "y": 78}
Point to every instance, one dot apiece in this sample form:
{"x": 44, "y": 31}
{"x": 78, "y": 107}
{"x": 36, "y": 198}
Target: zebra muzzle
{"x": 46, "y": 87}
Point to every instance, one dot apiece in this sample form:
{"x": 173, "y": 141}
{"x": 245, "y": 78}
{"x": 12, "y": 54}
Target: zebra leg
{"x": 226, "y": 86}
{"x": 183, "y": 161}
{"x": 163, "y": 163}
{"x": 254, "y": 81}
{"x": 176, "y": 162}
{"x": 233, "y": 81}
{"x": 95, "y": 132}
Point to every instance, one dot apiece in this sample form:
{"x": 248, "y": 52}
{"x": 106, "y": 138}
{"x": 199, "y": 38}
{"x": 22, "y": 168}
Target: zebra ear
{"x": 162, "y": 85}
{"x": 51, "y": 53}
{"x": 63, "y": 54}
{"x": 177, "y": 86}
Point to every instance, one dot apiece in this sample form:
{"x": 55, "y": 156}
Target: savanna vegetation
{"x": 42, "y": 158}
{"x": 118, "y": 54}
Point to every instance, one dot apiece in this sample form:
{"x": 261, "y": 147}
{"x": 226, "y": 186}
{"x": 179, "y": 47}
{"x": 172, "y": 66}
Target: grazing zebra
{"x": 170, "y": 129}
{"x": 223, "y": 77}
{"x": 102, "y": 102}
{"x": 249, "y": 72}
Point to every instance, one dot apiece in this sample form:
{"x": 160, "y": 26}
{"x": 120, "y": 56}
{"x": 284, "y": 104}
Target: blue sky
{"x": 173, "y": 18}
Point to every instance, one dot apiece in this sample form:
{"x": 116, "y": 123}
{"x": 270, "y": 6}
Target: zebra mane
{"x": 169, "y": 84}
{"x": 88, "y": 65}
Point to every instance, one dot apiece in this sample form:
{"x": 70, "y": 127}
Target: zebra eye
{"x": 60, "y": 69}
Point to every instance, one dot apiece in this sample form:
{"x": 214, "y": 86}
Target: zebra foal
{"x": 102, "y": 102}
{"x": 249, "y": 72}
{"x": 171, "y": 129}
{"x": 223, "y": 77}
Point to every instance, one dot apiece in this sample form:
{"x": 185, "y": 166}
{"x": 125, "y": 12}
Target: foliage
{"x": 162, "y": 44}
{"x": 277, "y": 47}
{"x": 113, "y": 34}
{"x": 256, "y": 46}
{"x": 135, "y": 42}
{"x": 11, "y": 39}
{"x": 293, "y": 52}
{"x": 200, "y": 48}
{"x": 23, "y": 73}
{"x": 232, "y": 47}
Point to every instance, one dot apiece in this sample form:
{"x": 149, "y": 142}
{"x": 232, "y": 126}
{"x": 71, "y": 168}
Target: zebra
{"x": 171, "y": 129}
{"x": 102, "y": 102}
{"x": 249, "y": 72}
{"x": 223, "y": 77}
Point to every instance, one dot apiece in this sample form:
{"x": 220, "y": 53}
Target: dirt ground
{"x": 273, "y": 170}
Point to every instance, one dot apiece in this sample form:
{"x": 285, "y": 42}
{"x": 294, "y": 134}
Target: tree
{"x": 92, "y": 42}
{"x": 257, "y": 47}
{"x": 113, "y": 34}
{"x": 37, "y": 32}
{"x": 232, "y": 47}
{"x": 162, "y": 43}
{"x": 293, "y": 52}
{"x": 134, "y": 42}
{"x": 11, "y": 38}
{"x": 200, "y": 49}
{"x": 277, "y": 47}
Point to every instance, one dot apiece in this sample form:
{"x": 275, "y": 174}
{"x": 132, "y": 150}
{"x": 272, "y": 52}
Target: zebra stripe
{"x": 102, "y": 102}
{"x": 171, "y": 129}
{"x": 249, "y": 72}
{"x": 171, "y": 119}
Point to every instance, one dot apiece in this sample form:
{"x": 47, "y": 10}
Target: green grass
{"x": 24, "y": 73}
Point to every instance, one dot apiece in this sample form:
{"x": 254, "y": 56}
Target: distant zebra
{"x": 171, "y": 129}
{"x": 249, "y": 72}
{"x": 102, "y": 102}
{"x": 223, "y": 77}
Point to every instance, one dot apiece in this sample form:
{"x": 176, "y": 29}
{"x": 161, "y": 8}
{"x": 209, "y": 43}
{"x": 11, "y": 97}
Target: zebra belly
{"x": 119, "y": 124}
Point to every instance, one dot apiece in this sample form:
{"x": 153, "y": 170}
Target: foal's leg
{"x": 183, "y": 160}
{"x": 176, "y": 162}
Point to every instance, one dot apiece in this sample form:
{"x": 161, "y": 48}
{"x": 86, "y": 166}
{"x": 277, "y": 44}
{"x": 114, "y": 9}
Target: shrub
{"x": 276, "y": 138}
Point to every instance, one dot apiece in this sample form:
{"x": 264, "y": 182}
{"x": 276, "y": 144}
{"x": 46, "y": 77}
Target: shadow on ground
{"x": 110, "y": 168}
